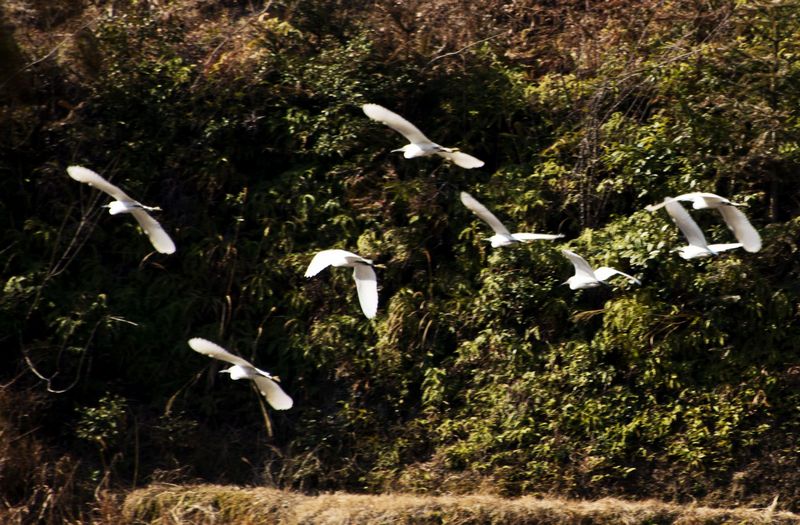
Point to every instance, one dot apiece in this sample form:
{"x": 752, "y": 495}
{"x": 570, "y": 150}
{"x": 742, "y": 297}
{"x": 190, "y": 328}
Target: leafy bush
{"x": 481, "y": 369}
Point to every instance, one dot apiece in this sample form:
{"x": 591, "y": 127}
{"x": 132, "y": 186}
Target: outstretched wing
{"x": 324, "y": 259}
{"x": 741, "y": 227}
{"x": 724, "y": 247}
{"x": 702, "y": 200}
{"x": 367, "y": 288}
{"x": 87, "y": 176}
{"x": 684, "y": 221}
{"x": 481, "y": 211}
{"x": 654, "y": 207}
{"x": 333, "y": 257}
{"x": 461, "y": 159}
{"x": 536, "y": 236}
{"x": 276, "y": 397}
{"x": 158, "y": 237}
{"x": 699, "y": 200}
{"x": 206, "y": 347}
{"x": 582, "y": 267}
{"x": 396, "y": 122}
{"x": 604, "y": 272}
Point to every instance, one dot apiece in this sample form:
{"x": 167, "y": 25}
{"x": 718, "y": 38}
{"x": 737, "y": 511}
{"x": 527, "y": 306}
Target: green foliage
{"x": 102, "y": 424}
{"x": 481, "y": 366}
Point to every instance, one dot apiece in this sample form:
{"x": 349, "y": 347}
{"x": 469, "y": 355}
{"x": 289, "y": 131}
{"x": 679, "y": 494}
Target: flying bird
{"x": 735, "y": 220}
{"x": 266, "y": 383}
{"x": 419, "y": 145}
{"x": 124, "y": 204}
{"x": 501, "y": 237}
{"x": 364, "y": 275}
{"x": 586, "y": 277}
{"x": 699, "y": 200}
{"x": 698, "y": 247}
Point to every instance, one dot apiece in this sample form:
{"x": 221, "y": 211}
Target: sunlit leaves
{"x": 247, "y": 131}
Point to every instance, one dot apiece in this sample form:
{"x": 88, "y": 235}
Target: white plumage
{"x": 124, "y": 204}
{"x": 419, "y": 145}
{"x": 502, "y": 236}
{"x": 735, "y": 220}
{"x": 363, "y": 274}
{"x": 586, "y": 277}
{"x": 698, "y": 247}
{"x": 266, "y": 383}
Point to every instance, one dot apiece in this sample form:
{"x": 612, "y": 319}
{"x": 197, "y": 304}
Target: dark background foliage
{"x": 242, "y": 121}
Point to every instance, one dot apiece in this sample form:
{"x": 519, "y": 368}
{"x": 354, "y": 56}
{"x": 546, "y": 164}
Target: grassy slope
{"x": 219, "y": 504}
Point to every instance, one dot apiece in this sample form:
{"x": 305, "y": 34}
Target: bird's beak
{"x": 381, "y": 266}
{"x": 275, "y": 378}
{"x": 398, "y": 150}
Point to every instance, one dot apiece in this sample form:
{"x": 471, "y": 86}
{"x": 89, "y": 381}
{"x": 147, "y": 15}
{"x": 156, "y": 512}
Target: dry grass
{"x": 36, "y": 486}
{"x": 207, "y": 504}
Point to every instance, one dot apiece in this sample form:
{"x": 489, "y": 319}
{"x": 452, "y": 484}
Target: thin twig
{"x": 227, "y": 39}
{"x": 434, "y": 59}
{"x": 49, "y": 53}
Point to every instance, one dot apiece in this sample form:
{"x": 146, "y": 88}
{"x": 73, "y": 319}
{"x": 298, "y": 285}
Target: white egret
{"x": 586, "y": 277}
{"x": 420, "y": 145}
{"x": 501, "y": 237}
{"x": 124, "y": 204}
{"x": 736, "y": 220}
{"x": 266, "y": 383}
{"x": 698, "y": 247}
{"x": 364, "y": 275}
{"x": 699, "y": 200}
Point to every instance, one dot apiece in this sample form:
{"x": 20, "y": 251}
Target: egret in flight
{"x": 364, "y": 275}
{"x": 736, "y": 220}
{"x": 586, "y": 277}
{"x": 124, "y": 204}
{"x": 698, "y": 247}
{"x": 266, "y": 383}
{"x": 501, "y": 237}
{"x": 419, "y": 145}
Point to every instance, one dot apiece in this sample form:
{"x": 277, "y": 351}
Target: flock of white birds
{"x": 364, "y": 274}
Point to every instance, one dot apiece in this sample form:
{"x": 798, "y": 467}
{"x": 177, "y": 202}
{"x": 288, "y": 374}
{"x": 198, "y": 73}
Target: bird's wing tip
{"x": 198, "y": 343}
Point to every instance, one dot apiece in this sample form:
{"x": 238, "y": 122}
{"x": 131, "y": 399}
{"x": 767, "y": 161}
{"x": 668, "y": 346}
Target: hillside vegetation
{"x": 481, "y": 372}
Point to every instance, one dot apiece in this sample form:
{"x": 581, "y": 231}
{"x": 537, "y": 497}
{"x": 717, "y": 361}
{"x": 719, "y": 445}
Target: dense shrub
{"x": 242, "y": 121}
